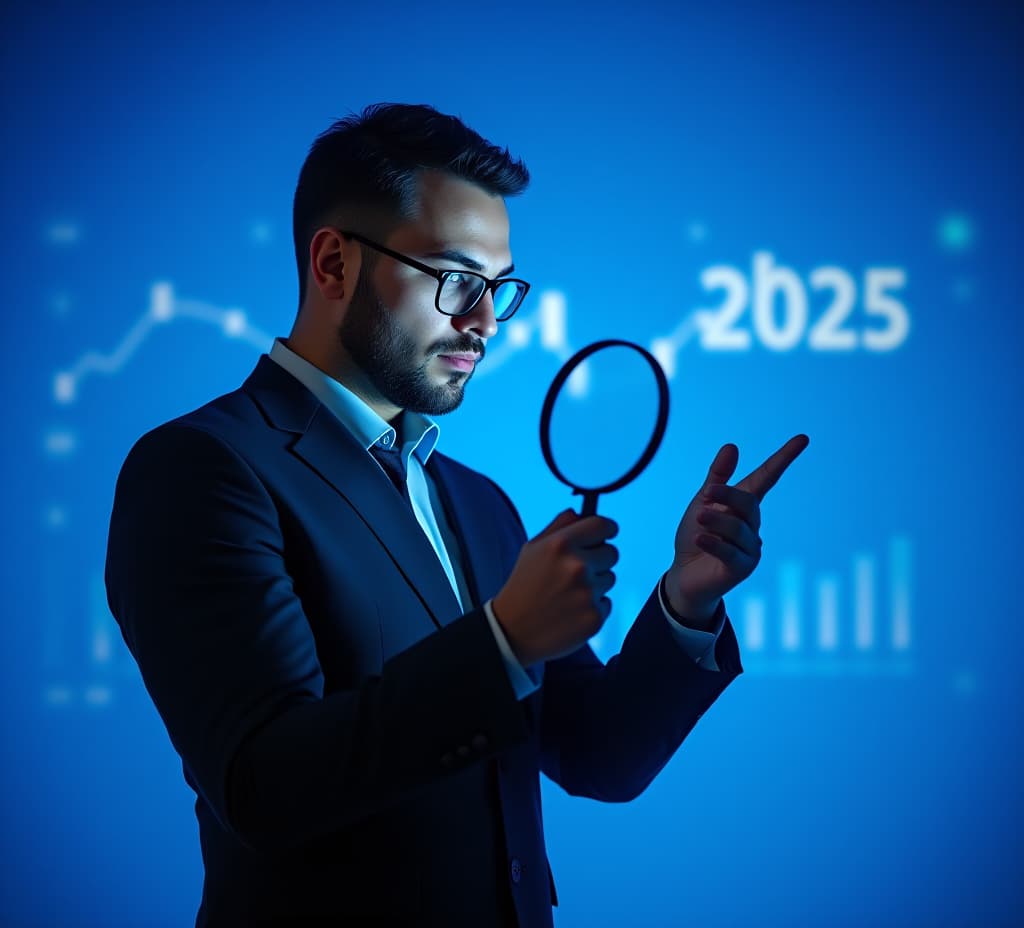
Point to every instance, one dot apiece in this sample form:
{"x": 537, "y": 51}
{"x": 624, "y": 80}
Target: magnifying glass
{"x": 590, "y": 494}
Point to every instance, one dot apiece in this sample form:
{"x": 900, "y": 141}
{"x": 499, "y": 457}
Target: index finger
{"x": 760, "y": 480}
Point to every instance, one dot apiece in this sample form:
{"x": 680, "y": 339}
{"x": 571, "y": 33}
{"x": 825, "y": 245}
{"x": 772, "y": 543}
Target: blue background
{"x": 865, "y": 768}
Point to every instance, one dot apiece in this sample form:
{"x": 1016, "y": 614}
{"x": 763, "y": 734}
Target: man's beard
{"x": 389, "y": 357}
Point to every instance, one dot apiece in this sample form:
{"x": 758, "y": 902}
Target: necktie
{"x": 394, "y": 466}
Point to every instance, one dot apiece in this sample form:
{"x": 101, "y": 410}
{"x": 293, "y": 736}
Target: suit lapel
{"x": 333, "y": 453}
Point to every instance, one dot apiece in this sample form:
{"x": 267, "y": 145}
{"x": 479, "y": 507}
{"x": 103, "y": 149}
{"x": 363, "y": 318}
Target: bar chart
{"x": 855, "y": 621}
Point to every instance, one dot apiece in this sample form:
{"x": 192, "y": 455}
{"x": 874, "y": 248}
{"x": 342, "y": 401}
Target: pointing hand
{"x": 717, "y": 543}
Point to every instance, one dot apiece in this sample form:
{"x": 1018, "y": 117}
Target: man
{"x": 362, "y": 661}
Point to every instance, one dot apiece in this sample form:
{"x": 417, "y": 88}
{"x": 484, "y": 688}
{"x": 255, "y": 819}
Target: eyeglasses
{"x": 459, "y": 291}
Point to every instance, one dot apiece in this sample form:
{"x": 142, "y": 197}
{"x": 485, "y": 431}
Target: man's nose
{"x": 480, "y": 319}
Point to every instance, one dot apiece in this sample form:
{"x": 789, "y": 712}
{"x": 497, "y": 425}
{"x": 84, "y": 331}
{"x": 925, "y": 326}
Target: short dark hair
{"x": 370, "y": 164}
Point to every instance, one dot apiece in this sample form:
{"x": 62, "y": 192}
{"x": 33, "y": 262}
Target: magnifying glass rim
{"x": 556, "y": 387}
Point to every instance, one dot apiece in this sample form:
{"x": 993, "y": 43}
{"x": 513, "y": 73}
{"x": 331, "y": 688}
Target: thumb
{"x": 564, "y": 518}
{"x": 724, "y": 464}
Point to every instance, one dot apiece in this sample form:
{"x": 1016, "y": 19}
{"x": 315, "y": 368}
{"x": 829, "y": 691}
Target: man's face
{"x": 415, "y": 357}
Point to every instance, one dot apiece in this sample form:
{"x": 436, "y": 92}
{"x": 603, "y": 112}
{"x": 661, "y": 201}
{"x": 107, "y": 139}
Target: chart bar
{"x": 790, "y": 582}
{"x": 553, "y": 333}
{"x": 863, "y": 602}
{"x": 899, "y": 591}
{"x": 753, "y": 623}
{"x": 828, "y": 612}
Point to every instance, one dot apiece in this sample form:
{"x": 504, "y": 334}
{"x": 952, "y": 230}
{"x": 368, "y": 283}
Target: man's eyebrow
{"x": 460, "y": 257}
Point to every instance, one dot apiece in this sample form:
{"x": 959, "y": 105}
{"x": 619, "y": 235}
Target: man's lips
{"x": 461, "y": 360}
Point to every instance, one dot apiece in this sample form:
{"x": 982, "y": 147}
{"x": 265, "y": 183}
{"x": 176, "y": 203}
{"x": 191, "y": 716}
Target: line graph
{"x": 549, "y": 323}
{"x": 163, "y": 308}
{"x": 547, "y": 329}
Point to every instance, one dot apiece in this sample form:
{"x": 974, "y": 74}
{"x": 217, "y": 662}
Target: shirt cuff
{"x": 698, "y": 645}
{"x": 524, "y": 680}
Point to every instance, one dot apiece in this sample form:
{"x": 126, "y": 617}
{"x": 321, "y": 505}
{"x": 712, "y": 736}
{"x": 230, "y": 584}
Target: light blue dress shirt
{"x": 420, "y": 435}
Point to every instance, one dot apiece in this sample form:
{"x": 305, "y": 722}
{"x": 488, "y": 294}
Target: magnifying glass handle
{"x": 589, "y": 504}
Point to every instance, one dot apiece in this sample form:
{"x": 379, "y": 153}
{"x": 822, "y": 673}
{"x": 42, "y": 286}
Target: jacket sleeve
{"x": 196, "y": 578}
{"x": 606, "y": 730}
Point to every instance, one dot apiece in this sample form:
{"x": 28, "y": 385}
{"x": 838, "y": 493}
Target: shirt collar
{"x": 419, "y": 432}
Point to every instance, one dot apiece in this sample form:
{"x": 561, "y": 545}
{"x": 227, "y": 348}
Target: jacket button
{"x": 462, "y": 750}
{"x": 447, "y": 760}
{"x": 517, "y": 870}
{"x": 479, "y": 742}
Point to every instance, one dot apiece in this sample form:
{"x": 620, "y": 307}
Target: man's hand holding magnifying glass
{"x": 717, "y": 543}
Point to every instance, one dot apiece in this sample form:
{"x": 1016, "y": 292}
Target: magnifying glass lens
{"x": 601, "y": 408}
{"x": 603, "y": 417}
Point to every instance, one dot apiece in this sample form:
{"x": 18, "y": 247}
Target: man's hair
{"x": 368, "y": 167}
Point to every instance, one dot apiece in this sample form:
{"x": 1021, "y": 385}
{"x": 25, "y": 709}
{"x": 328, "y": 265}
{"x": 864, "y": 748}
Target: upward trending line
{"x": 163, "y": 307}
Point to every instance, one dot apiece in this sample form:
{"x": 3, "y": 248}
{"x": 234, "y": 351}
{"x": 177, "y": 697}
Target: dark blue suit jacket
{"x": 357, "y": 751}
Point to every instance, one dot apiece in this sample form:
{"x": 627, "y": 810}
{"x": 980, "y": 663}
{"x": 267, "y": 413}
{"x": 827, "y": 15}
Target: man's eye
{"x": 460, "y": 282}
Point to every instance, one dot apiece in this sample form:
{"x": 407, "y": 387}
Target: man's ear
{"x": 334, "y": 263}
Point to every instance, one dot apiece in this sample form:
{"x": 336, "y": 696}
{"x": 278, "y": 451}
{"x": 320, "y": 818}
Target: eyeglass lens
{"x": 459, "y": 292}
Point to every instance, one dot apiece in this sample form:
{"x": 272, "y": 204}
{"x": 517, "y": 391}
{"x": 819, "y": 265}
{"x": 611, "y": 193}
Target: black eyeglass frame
{"x": 442, "y": 275}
